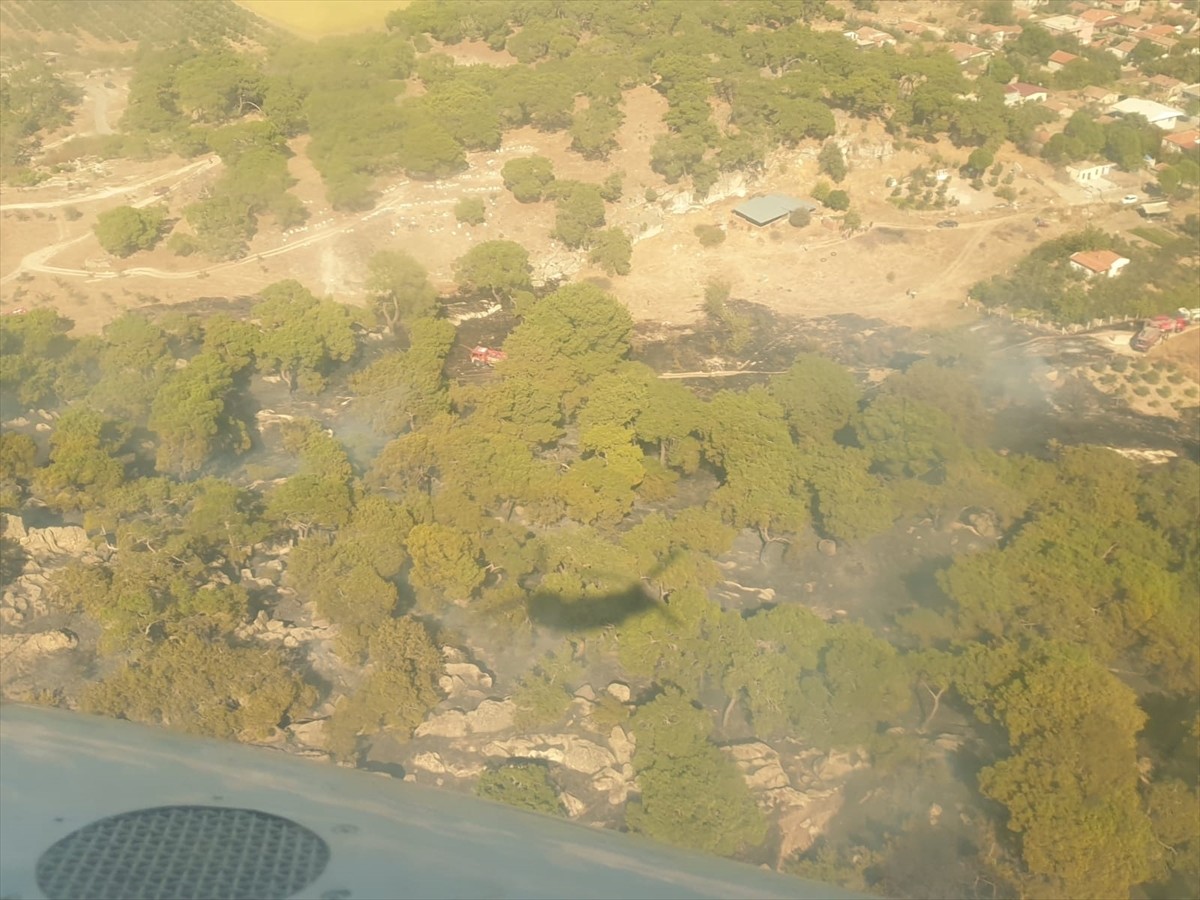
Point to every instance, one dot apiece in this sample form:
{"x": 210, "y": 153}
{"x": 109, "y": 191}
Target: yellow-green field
{"x": 313, "y": 19}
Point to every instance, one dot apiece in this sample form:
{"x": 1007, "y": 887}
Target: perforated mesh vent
{"x": 183, "y": 853}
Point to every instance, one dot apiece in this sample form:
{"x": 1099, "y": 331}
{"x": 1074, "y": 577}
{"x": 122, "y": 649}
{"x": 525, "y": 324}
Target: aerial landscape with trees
{"x": 709, "y": 585}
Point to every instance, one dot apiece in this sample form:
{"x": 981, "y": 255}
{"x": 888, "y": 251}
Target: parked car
{"x": 947, "y": 223}
{"x": 1192, "y": 315}
{"x": 1147, "y": 337}
{"x": 1129, "y": 200}
{"x": 1171, "y": 324}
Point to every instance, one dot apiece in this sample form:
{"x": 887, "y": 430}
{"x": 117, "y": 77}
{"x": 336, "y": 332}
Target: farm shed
{"x": 771, "y": 208}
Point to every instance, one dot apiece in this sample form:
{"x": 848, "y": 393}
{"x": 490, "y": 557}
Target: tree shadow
{"x": 563, "y": 613}
{"x": 921, "y": 584}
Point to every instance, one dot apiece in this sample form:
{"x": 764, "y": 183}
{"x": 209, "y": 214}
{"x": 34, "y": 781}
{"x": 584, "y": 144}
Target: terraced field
{"x": 163, "y": 21}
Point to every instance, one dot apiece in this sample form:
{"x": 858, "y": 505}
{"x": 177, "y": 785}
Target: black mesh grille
{"x": 183, "y": 853}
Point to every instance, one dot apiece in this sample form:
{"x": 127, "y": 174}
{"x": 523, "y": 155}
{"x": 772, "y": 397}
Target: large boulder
{"x": 622, "y": 744}
{"x": 269, "y": 630}
{"x": 767, "y": 777}
{"x": 309, "y": 734}
{"x": 614, "y": 784}
{"x": 750, "y": 753}
{"x": 572, "y": 804}
{"x": 836, "y": 766}
{"x": 66, "y": 540}
{"x": 436, "y": 764}
{"x": 463, "y": 679}
{"x": 491, "y": 716}
{"x": 534, "y": 747}
{"x": 13, "y": 528}
{"x": 451, "y": 724}
{"x": 20, "y": 653}
{"x": 619, "y": 691}
{"x": 801, "y": 823}
{"x": 759, "y": 765}
{"x": 569, "y": 751}
{"x": 585, "y": 757}
{"x": 27, "y": 598}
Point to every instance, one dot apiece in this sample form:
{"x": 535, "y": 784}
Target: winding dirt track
{"x": 40, "y": 260}
{"x": 182, "y": 173}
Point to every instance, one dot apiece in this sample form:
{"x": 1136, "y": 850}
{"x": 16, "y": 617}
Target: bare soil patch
{"x": 814, "y": 271}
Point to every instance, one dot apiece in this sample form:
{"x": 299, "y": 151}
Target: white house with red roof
{"x": 1182, "y": 141}
{"x": 1018, "y": 92}
{"x": 1058, "y": 59}
{"x": 967, "y": 53}
{"x": 1098, "y": 262}
{"x": 1100, "y": 18}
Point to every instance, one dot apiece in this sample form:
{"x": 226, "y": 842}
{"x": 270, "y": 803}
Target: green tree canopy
{"x": 528, "y": 177}
{"x": 398, "y": 692}
{"x": 692, "y": 795}
{"x": 301, "y": 336}
{"x": 401, "y": 288}
{"x": 190, "y": 417}
{"x": 524, "y": 785}
{"x": 204, "y": 687}
{"x": 612, "y": 251}
{"x": 817, "y": 395}
{"x": 580, "y": 212}
{"x": 832, "y": 161}
{"x": 125, "y": 230}
{"x": 501, "y": 267}
{"x": 568, "y": 338}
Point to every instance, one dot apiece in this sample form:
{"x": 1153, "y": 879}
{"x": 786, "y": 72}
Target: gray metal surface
{"x": 765, "y": 210}
{"x": 183, "y": 853}
{"x": 61, "y": 772}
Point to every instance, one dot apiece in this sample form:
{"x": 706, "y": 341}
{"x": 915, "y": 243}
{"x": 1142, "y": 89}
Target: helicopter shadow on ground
{"x": 557, "y": 612}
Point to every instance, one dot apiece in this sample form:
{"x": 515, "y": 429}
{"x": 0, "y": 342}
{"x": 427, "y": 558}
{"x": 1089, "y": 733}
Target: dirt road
{"x": 181, "y": 174}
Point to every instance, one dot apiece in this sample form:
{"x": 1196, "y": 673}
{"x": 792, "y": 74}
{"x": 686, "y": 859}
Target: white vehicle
{"x": 1192, "y": 315}
{"x": 1129, "y": 200}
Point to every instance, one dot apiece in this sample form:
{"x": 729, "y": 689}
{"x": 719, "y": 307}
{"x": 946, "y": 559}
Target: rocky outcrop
{"x": 47, "y": 543}
{"x": 310, "y": 735}
{"x": 574, "y": 753}
{"x": 446, "y": 744}
{"x": 462, "y": 679}
{"x": 21, "y": 653}
{"x": 435, "y": 764}
{"x": 572, "y": 804}
{"x": 27, "y": 597}
{"x": 269, "y": 630}
{"x": 802, "y": 796}
{"x": 622, "y": 745}
{"x": 616, "y": 784}
{"x": 608, "y": 776}
{"x": 489, "y": 717}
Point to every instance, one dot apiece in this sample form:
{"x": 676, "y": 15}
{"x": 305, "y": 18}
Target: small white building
{"x": 1098, "y": 262}
{"x": 866, "y": 36}
{"x": 1070, "y": 26}
{"x": 1018, "y": 92}
{"x": 1092, "y": 171}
